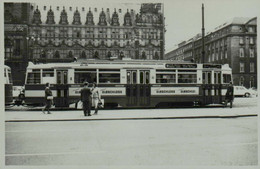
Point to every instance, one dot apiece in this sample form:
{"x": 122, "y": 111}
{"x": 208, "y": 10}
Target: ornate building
{"x": 233, "y": 43}
{"x": 139, "y": 36}
{"x": 54, "y": 35}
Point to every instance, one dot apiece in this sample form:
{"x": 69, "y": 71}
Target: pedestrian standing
{"x": 85, "y": 95}
{"x": 48, "y": 99}
{"x": 96, "y": 97}
{"x": 229, "y": 95}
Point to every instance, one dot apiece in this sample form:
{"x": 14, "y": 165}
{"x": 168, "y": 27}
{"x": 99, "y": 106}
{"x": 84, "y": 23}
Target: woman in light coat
{"x": 96, "y": 97}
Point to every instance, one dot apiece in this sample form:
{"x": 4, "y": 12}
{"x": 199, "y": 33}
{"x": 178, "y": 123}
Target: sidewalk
{"x": 132, "y": 114}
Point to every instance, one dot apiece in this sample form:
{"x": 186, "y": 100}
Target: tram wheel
{"x": 247, "y": 94}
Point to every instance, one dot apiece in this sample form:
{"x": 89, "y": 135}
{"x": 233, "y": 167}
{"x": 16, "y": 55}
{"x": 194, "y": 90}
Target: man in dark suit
{"x": 85, "y": 94}
{"x": 229, "y": 95}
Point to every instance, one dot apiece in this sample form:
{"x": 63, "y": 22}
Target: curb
{"x": 141, "y": 118}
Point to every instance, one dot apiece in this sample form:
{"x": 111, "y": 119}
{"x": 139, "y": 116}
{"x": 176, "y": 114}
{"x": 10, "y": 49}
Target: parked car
{"x": 253, "y": 91}
{"x": 241, "y": 91}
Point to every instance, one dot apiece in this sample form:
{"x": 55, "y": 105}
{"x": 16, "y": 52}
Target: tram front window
{"x": 226, "y": 78}
{"x": 34, "y": 77}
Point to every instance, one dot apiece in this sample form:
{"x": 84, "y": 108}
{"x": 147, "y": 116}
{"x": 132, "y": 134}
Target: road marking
{"x": 46, "y": 154}
{"x": 135, "y": 118}
{"x": 38, "y": 131}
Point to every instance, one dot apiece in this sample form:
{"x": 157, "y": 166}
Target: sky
{"x": 183, "y": 19}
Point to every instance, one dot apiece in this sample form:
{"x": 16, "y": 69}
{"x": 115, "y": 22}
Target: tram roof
{"x": 6, "y": 67}
{"x": 115, "y": 63}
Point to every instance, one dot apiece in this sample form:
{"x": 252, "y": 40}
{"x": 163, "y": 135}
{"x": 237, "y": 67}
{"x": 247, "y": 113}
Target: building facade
{"x": 233, "y": 43}
{"x": 61, "y": 34}
{"x": 16, "y": 18}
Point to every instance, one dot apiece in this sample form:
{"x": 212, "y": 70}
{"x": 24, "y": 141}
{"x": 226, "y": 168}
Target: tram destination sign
{"x": 211, "y": 66}
{"x": 181, "y": 65}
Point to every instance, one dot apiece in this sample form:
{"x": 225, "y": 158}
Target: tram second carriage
{"x": 130, "y": 83}
{"x": 8, "y": 85}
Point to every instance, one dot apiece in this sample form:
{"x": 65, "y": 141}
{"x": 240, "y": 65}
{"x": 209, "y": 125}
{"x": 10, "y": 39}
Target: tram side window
{"x": 109, "y": 77}
{"x": 82, "y": 77}
{"x": 147, "y": 77}
{"x": 187, "y": 78}
{"x": 34, "y": 77}
{"x": 10, "y": 76}
{"x": 226, "y": 78}
{"x": 141, "y": 77}
{"x": 165, "y": 78}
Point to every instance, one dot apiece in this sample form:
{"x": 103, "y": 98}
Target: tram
{"x": 8, "y": 85}
{"x": 130, "y": 83}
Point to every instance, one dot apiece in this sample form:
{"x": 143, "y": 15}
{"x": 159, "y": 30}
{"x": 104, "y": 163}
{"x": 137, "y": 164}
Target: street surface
{"x": 150, "y": 142}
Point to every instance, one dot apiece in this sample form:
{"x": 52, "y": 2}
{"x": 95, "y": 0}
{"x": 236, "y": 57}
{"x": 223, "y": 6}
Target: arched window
{"x": 83, "y": 55}
{"x": 109, "y": 55}
{"x": 43, "y": 54}
{"x": 156, "y": 56}
{"x": 143, "y": 55}
{"x": 241, "y": 81}
{"x": 57, "y": 54}
{"x": 70, "y": 54}
{"x": 96, "y": 55}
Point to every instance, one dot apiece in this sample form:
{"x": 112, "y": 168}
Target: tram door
{"x": 62, "y": 89}
{"x": 144, "y": 90}
{"x": 131, "y": 87}
{"x": 217, "y": 98}
{"x": 207, "y": 87}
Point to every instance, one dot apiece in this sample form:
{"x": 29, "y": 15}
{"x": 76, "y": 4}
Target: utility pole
{"x": 203, "y": 34}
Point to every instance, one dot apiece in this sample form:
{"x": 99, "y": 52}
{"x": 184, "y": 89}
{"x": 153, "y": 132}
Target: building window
{"x": 252, "y": 67}
{"x": 242, "y": 67}
{"x": 226, "y": 54}
{"x": 251, "y": 40}
{"x": 44, "y": 8}
{"x": 78, "y": 34}
{"x": 250, "y": 29}
{"x": 36, "y": 53}
{"x": 213, "y": 57}
{"x": 241, "y": 40}
{"x": 58, "y": 8}
{"x": 251, "y": 51}
{"x": 70, "y": 8}
{"x": 241, "y": 81}
{"x": 252, "y": 81}
{"x": 241, "y": 52}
